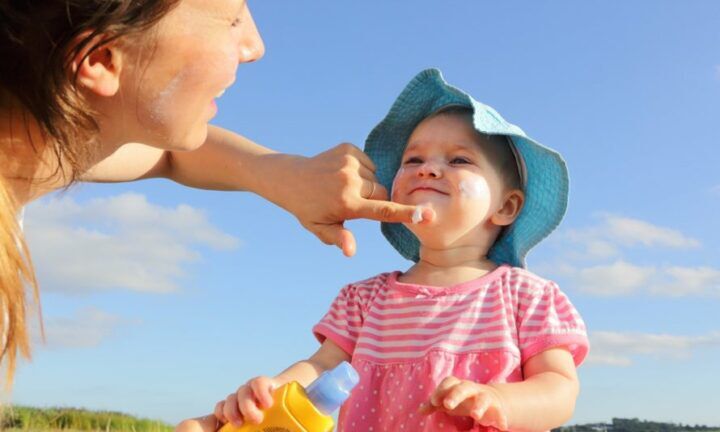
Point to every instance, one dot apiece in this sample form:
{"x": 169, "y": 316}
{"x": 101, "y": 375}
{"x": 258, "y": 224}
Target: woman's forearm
{"x": 322, "y": 191}
{"x": 226, "y": 161}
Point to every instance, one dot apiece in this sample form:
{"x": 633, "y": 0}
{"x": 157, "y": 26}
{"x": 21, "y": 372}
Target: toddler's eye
{"x": 412, "y": 160}
{"x": 459, "y": 160}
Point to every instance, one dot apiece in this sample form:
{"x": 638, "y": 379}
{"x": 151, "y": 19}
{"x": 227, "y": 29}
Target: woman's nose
{"x": 251, "y": 46}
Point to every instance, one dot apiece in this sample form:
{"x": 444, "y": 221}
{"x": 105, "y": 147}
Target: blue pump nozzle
{"x": 332, "y": 387}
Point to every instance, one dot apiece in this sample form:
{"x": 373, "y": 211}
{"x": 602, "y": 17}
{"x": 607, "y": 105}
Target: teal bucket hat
{"x": 546, "y": 182}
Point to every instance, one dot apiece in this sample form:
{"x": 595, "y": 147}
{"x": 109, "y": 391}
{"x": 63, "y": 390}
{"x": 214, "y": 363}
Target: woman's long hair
{"x": 38, "y": 41}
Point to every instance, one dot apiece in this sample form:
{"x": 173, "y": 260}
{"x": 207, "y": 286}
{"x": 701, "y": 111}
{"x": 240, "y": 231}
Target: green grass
{"x": 18, "y": 418}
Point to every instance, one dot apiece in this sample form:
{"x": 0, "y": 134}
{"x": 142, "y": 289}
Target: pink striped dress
{"x": 405, "y": 338}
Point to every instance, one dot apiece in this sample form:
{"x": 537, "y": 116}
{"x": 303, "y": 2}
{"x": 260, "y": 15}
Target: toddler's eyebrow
{"x": 469, "y": 147}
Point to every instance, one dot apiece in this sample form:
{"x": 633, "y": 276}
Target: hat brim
{"x": 546, "y": 185}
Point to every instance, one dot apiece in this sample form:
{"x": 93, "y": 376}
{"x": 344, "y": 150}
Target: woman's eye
{"x": 413, "y": 160}
{"x": 236, "y": 22}
{"x": 459, "y": 160}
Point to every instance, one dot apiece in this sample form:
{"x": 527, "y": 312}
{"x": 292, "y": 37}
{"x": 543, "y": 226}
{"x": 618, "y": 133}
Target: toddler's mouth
{"x": 427, "y": 189}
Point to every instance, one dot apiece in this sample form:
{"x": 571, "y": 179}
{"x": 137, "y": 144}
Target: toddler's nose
{"x": 429, "y": 170}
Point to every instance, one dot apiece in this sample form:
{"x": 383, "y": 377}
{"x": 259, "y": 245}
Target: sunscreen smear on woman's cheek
{"x": 161, "y": 106}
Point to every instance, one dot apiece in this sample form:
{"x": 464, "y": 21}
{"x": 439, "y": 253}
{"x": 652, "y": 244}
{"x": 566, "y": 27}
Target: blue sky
{"x": 159, "y": 300}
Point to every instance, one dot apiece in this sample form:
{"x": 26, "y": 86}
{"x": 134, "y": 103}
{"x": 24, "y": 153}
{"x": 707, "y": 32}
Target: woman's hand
{"x": 247, "y": 403}
{"x": 482, "y": 403}
{"x": 337, "y": 185}
{"x": 322, "y": 191}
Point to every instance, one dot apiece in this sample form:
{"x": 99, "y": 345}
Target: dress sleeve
{"x": 547, "y": 319}
{"x": 342, "y": 323}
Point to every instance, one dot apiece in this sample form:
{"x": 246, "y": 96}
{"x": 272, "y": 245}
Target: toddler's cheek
{"x": 396, "y": 181}
{"x": 474, "y": 188}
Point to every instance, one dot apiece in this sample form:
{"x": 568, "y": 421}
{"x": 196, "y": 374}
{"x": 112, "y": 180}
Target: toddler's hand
{"x": 466, "y": 398}
{"x": 247, "y": 403}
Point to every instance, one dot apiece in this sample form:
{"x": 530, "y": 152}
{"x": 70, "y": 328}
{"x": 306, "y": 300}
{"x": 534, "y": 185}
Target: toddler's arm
{"x": 247, "y": 403}
{"x": 543, "y": 401}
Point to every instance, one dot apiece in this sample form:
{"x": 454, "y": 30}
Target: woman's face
{"x": 167, "y": 94}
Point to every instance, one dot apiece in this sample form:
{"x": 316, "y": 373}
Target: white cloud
{"x": 690, "y": 281}
{"x": 121, "y": 242}
{"x": 619, "y": 349}
{"x": 621, "y": 278}
{"x": 614, "y": 232}
{"x": 87, "y": 328}
{"x": 592, "y": 260}
{"x": 630, "y": 232}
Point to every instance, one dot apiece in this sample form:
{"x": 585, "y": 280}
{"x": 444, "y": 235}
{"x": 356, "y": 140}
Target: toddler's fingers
{"x": 426, "y": 408}
{"x": 485, "y": 413}
{"x": 262, "y": 387}
{"x": 445, "y": 385}
{"x": 479, "y": 408}
{"x": 231, "y": 411}
{"x": 458, "y": 393}
{"x": 218, "y": 412}
{"x": 501, "y": 421}
{"x": 250, "y": 411}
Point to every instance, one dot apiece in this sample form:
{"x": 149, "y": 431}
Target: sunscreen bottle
{"x": 296, "y": 409}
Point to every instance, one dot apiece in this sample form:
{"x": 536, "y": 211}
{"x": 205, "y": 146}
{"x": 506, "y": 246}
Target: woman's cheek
{"x": 223, "y": 66}
{"x": 162, "y": 107}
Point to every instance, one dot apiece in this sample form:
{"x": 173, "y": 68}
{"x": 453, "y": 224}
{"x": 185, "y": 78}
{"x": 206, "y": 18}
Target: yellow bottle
{"x": 296, "y": 409}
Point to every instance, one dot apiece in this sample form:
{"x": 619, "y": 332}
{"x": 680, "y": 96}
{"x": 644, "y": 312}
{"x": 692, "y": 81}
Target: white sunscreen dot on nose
{"x": 474, "y": 188}
{"x": 417, "y": 216}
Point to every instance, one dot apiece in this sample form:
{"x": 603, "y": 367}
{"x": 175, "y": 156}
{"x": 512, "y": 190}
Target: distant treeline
{"x": 635, "y": 425}
{"x": 52, "y": 419}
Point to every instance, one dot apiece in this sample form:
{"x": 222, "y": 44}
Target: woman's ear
{"x": 98, "y": 70}
{"x": 512, "y": 204}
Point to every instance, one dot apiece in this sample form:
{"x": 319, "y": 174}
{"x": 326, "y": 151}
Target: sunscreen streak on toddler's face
{"x": 417, "y": 216}
{"x": 475, "y": 187}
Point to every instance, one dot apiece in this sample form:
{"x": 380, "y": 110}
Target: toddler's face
{"x": 444, "y": 167}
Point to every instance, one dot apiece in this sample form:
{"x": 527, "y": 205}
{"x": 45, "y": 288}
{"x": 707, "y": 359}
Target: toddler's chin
{"x": 420, "y": 217}
{"x": 434, "y": 239}
{"x": 425, "y": 230}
